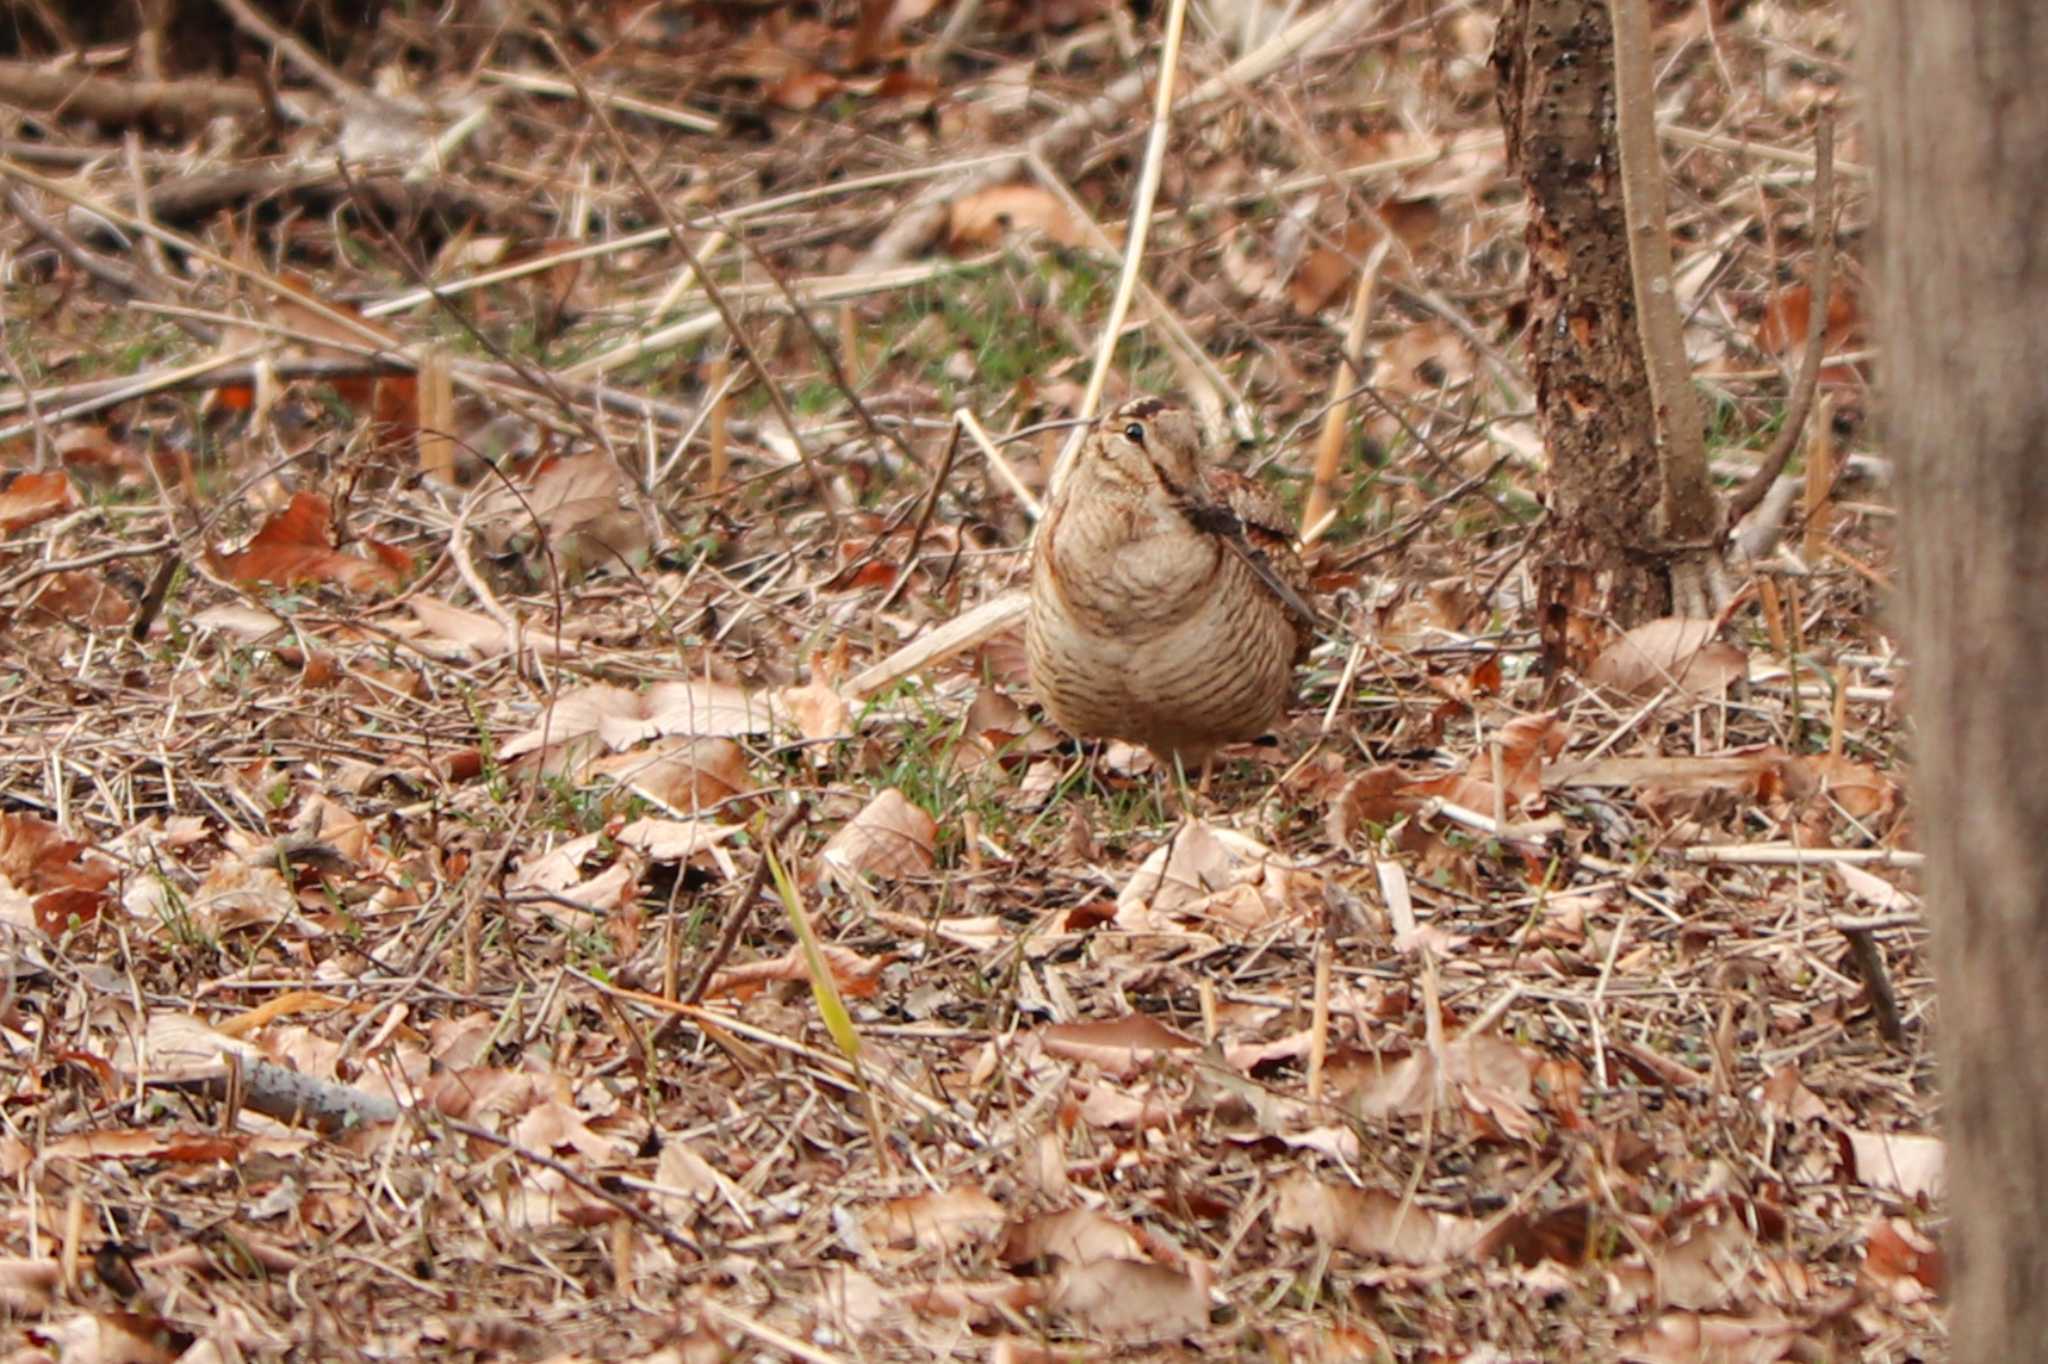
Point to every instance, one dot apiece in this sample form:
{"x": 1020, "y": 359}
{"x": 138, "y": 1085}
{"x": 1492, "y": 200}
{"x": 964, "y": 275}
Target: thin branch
{"x": 712, "y": 292}
{"x": 1134, "y": 240}
{"x": 736, "y": 917}
{"x": 1745, "y": 499}
{"x": 1687, "y": 496}
{"x": 924, "y": 521}
{"x": 655, "y": 1226}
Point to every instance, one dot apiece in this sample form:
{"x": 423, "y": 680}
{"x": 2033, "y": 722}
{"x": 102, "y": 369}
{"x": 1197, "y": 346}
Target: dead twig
{"x": 110, "y": 100}
{"x": 653, "y": 1225}
{"x": 736, "y": 916}
{"x": 1746, "y": 498}
{"x": 924, "y": 521}
{"x": 1869, "y": 959}
{"x": 827, "y": 502}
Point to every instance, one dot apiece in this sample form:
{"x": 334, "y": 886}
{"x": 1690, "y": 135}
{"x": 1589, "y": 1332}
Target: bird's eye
{"x": 1135, "y": 433}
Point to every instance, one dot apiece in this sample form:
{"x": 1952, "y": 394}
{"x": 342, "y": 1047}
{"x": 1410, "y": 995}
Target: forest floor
{"x": 480, "y": 880}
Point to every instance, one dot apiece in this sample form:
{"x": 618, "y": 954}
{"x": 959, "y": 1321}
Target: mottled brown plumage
{"x": 1167, "y": 604}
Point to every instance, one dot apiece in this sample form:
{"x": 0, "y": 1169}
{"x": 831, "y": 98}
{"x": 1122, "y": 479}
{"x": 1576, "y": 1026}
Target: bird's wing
{"x": 1247, "y": 519}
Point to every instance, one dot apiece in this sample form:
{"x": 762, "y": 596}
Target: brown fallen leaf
{"x": 975, "y": 1302}
{"x": 1781, "y": 333}
{"x": 293, "y": 548}
{"x": 1858, "y": 789}
{"x": 1131, "y": 1300}
{"x": 889, "y": 838}
{"x": 48, "y": 881}
{"x": 577, "y": 505}
{"x": 818, "y": 710}
{"x": 1676, "y": 652}
{"x": 1372, "y": 1222}
{"x": 1377, "y": 796}
{"x": 1120, "y": 1046}
{"x": 1697, "y": 1338}
{"x": 34, "y": 497}
{"x": 1491, "y": 1077}
{"x": 620, "y": 718}
{"x": 806, "y": 89}
{"x": 1897, "y": 1254}
{"x": 685, "y": 774}
{"x": 674, "y": 840}
{"x": 945, "y": 1221}
{"x": 115, "y": 1338}
{"x": 89, "y": 598}
{"x": 987, "y": 216}
{"x": 1074, "y": 1235}
{"x": 458, "y": 632}
{"x": 1906, "y": 1163}
{"x": 853, "y": 975}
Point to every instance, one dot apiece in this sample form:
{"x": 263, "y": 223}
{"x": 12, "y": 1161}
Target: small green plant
{"x": 573, "y": 809}
{"x": 174, "y": 912}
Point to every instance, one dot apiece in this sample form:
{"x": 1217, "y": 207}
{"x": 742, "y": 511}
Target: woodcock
{"x": 1167, "y": 604}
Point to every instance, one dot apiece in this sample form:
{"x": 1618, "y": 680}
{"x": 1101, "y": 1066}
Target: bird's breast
{"x": 1120, "y": 569}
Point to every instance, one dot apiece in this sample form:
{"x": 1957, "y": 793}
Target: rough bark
{"x": 1555, "y": 60}
{"x": 1960, "y": 124}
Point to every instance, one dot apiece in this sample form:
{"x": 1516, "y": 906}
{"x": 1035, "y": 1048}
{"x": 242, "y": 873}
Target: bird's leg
{"x": 1175, "y": 783}
{"x": 1190, "y": 806}
{"x": 1190, "y": 802}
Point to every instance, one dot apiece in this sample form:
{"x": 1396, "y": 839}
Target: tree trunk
{"x": 1555, "y": 59}
{"x": 1960, "y": 120}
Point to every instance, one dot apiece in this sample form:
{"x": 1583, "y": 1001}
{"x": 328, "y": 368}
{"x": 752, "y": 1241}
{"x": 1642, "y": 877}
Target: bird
{"x": 1168, "y": 606}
